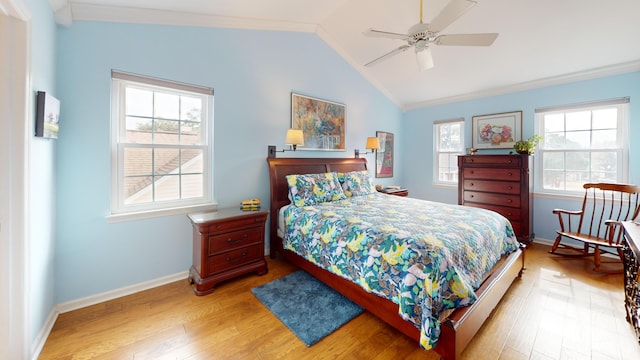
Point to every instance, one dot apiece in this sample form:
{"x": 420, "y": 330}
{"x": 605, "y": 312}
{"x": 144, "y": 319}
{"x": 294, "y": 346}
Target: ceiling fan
{"x": 422, "y": 35}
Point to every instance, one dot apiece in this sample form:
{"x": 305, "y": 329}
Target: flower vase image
{"x": 496, "y": 134}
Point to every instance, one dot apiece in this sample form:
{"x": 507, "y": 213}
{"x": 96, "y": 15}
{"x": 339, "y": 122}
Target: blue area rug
{"x": 309, "y": 308}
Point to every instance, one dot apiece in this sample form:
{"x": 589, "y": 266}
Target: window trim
{"x": 118, "y": 210}
{"x": 622, "y": 133}
{"x": 436, "y": 145}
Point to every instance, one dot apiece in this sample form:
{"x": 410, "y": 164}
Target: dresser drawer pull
{"x": 510, "y": 174}
{"x": 471, "y": 184}
{"x": 231, "y": 241}
{"x": 509, "y": 201}
{"x": 509, "y": 187}
{"x": 228, "y": 259}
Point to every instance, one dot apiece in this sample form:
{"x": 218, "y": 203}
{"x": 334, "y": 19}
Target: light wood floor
{"x": 560, "y": 309}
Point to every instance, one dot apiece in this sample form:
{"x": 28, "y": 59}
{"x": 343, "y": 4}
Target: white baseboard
{"x": 62, "y": 308}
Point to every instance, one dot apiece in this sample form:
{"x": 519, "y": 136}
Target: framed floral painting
{"x": 497, "y": 131}
{"x": 322, "y": 122}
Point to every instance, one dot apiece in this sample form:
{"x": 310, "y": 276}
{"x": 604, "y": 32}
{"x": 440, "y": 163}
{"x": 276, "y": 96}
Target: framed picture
{"x": 322, "y": 122}
{"x": 47, "y": 114}
{"x": 384, "y": 155}
{"x": 497, "y": 131}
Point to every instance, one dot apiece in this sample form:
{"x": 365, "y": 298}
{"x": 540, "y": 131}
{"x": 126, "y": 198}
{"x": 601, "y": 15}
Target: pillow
{"x": 311, "y": 189}
{"x": 356, "y": 183}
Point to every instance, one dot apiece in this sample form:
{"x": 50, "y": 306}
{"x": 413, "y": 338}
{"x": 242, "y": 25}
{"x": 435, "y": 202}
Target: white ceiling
{"x": 541, "y": 42}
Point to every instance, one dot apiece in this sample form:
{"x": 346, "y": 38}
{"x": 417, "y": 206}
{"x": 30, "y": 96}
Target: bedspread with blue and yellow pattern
{"x": 425, "y": 256}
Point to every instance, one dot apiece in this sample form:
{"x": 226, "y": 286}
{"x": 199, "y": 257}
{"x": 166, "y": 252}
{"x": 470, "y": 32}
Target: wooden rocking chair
{"x": 604, "y": 207}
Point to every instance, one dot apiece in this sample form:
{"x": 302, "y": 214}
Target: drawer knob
{"x": 471, "y": 184}
{"x": 510, "y": 174}
{"x": 509, "y": 201}
{"x": 509, "y": 187}
{"x": 471, "y": 196}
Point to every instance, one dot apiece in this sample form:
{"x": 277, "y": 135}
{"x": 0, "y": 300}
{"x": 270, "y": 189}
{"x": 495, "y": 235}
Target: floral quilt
{"x": 425, "y": 256}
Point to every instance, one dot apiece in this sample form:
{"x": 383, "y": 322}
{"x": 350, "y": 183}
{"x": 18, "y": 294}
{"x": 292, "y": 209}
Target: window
{"x": 449, "y": 143}
{"x": 582, "y": 143}
{"x": 160, "y": 144}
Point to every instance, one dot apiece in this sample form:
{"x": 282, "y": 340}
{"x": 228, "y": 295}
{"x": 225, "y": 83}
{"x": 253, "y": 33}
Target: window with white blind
{"x": 582, "y": 143}
{"x": 161, "y": 145}
{"x": 448, "y": 145}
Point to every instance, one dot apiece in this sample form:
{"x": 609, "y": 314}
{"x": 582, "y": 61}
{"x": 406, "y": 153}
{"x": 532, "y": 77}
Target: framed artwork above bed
{"x": 322, "y": 122}
{"x": 384, "y": 155}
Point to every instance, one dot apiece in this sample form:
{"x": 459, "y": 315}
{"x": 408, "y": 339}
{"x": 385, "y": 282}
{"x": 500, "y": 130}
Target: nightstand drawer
{"x": 235, "y": 258}
{"x": 503, "y": 187}
{"x": 491, "y": 199}
{"x": 492, "y": 174}
{"x": 234, "y": 239}
{"x": 233, "y": 224}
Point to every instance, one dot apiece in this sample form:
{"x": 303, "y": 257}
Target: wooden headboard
{"x": 279, "y": 168}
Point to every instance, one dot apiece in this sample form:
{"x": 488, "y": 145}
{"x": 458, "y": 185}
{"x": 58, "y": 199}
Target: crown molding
{"x": 15, "y": 8}
{"x": 622, "y": 68}
{"x": 90, "y": 12}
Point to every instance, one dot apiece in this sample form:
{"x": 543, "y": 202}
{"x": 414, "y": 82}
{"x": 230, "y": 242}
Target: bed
{"x": 455, "y": 330}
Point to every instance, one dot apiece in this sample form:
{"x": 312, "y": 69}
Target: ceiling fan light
{"x": 425, "y": 60}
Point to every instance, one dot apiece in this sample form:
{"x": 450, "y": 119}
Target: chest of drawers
{"x": 226, "y": 244}
{"x": 501, "y": 183}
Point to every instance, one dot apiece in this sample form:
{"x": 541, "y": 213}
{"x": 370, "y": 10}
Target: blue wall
{"x": 42, "y": 173}
{"x": 418, "y": 125}
{"x": 253, "y": 74}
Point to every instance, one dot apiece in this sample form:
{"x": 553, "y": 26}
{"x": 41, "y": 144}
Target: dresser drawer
{"x": 512, "y": 214}
{"x": 232, "y": 224}
{"x": 497, "y": 160}
{"x": 234, "y": 258}
{"x": 491, "y": 199}
{"x": 492, "y": 174}
{"x": 503, "y": 187}
{"x": 235, "y": 239}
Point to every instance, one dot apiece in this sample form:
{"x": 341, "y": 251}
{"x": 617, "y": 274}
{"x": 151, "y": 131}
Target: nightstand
{"x": 226, "y": 244}
{"x": 396, "y": 192}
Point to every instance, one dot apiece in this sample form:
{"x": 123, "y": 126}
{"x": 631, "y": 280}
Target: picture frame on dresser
{"x": 496, "y": 131}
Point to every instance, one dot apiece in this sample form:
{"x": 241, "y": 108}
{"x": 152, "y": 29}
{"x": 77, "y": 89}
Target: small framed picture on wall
{"x": 384, "y": 155}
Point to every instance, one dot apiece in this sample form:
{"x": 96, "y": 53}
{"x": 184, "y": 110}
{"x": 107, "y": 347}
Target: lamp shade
{"x": 372, "y": 143}
{"x": 425, "y": 60}
{"x": 294, "y": 137}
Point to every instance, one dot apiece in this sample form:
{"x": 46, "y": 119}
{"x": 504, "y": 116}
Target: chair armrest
{"x": 568, "y": 212}
{"x": 612, "y": 223}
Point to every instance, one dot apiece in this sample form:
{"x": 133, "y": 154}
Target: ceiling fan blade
{"x": 451, "y": 12}
{"x": 466, "y": 39}
{"x": 385, "y": 34}
{"x": 388, "y": 55}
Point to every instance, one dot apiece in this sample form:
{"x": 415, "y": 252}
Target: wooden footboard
{"x": 457, "y": 329}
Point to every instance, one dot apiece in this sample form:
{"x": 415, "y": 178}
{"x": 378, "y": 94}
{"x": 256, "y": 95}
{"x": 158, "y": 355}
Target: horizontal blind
{"x": 617, "y": 101}
{"x": 115, "y": 74}
{"x": 438, "y": 122}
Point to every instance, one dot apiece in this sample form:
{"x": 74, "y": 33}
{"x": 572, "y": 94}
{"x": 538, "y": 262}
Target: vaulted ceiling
{"x": 540, "y": 42}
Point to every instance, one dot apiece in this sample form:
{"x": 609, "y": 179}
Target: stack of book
{"x": 250, "y": 204}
